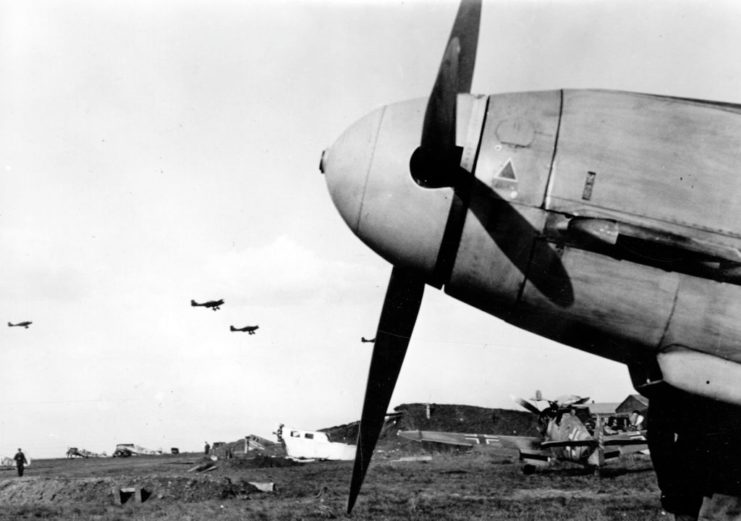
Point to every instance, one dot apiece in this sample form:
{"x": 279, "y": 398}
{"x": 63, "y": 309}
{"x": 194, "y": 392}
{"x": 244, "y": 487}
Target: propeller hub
{"x": 433, "y": 170}
{"x": 367, "y": 173}
{"x": 346, "y": 165}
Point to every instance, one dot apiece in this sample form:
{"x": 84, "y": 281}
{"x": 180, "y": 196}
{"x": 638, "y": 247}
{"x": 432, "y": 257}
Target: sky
{"x": 157, "y": 152}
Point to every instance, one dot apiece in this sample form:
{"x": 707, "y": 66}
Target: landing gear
{"x": 695, "y": 446}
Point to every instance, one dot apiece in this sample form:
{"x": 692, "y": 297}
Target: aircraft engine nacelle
{"x": 490, "y": 251}
{"x": 501, "y": 241}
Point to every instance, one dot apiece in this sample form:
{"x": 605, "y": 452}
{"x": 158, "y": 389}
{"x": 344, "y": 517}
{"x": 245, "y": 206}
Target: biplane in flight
{"x": 607, "y": 221}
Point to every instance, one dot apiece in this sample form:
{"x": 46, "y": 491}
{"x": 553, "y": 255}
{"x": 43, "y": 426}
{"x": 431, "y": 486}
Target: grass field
{"x": 467, "y": 486}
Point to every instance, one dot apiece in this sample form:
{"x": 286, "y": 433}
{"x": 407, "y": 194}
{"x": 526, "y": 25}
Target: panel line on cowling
{"x": 370, "y": 165}
{"x": 549, "y": 183}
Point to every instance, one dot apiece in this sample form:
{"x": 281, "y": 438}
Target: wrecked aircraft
{"x": 313, "y": 445}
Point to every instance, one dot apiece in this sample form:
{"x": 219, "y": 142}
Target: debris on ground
{"x": 263, "y": 486}
{"x": 203, "y": 467}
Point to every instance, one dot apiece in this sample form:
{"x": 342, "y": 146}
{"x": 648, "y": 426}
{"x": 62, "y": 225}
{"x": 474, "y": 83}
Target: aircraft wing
{"x": 569, "y": 443}
{"x": 635, "y": 438}
{"x": 521, "y": 443}
{"x": 627, "y": 443}
{"x": 615, "y": 440}
{"x": 460, "y": 439}
{"x": 447, "y": 438}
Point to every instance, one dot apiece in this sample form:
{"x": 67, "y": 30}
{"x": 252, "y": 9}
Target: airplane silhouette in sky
{"x": 213, "y": 304}
{"x": 246, "y": 329}
{"x": 24, "y": 324}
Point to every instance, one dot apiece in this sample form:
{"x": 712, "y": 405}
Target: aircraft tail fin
{"x": 10, "y": 325}
{"x": 232, "y": 328}
{"x": 193, "y": 303}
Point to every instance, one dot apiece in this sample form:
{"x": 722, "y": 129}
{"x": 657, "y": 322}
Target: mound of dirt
{"x": 194, "y": 489}
{"x": 466, "y": 418}
{"x": 259, "y": 462}
{"x": 266, "y": 447}
{"x": 101, "y": 490}
{"x": 444, "y": 417}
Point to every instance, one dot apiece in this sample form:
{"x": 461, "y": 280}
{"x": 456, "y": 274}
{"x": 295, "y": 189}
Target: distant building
{"x": 634, "y": 402}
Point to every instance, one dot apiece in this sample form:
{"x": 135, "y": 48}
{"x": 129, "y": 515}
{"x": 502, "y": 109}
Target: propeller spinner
{"x": 434, "y": 162}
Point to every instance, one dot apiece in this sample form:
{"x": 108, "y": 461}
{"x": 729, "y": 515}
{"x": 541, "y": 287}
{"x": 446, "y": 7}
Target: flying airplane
{"x": 564, "y": 437}
{"x": 367, "y": 340}
{"x": 213, "y": 304}
{"x": 21, "y": 324}
{"x": 604, "y": 220}
{"x": 246, "y": 329}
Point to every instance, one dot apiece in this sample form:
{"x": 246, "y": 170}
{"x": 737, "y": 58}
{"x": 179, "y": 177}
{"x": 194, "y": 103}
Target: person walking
{"x": 20, "y": 462}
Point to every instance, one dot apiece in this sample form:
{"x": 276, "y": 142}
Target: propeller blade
{"x": 526, "y": 405}
{"x": 569, "y": 400}
{"x": 438, "y": 130}
{"x": 454, "y": 75}
{"x": 466, "y": 30}
{"x": 435, "y": 163}
{"x": 400, "y": 309}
